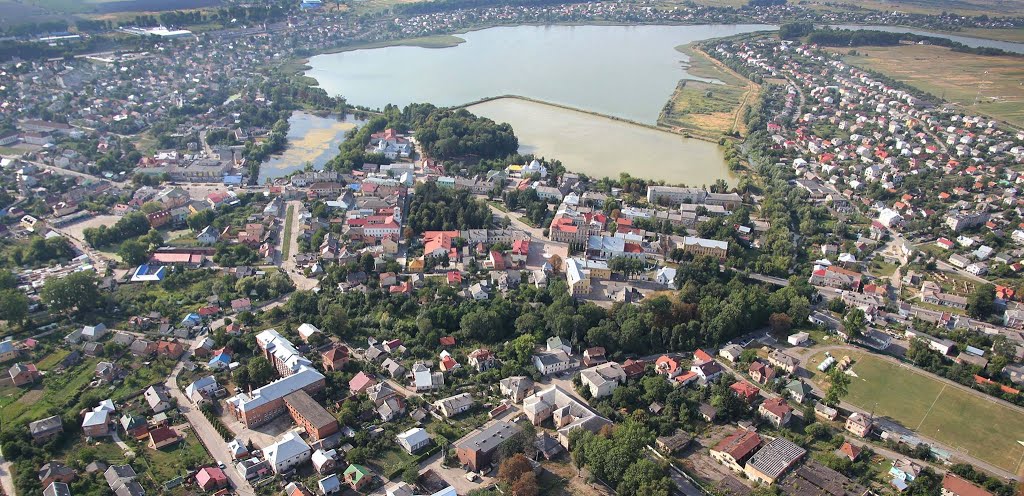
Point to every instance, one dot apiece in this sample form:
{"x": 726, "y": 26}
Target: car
{"x": 472, "y": 477}
{"x": 221, "y": 465}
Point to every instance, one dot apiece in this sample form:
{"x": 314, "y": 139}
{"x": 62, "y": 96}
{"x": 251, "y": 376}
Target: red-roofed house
{"x": 335, "y": 358}
{"x": 210, "y": 478}
{"x": 162, "y": 436}
{"x": 734, "y": 450}
{"x": 952, "y": 485}
{"x": 447, "y": 341}
{"x": 701, "y": 356}
{"x": 745, "y": 391}
{"x": 438, "y": 243}
{"x": 667, "y": 366}
{"x": 454, "y": 278}
{"x": 775, "y": 411}
{"x": 361, "y": 382}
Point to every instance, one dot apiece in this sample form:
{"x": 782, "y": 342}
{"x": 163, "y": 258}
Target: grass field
{"x": 988, "y": 85}
{"x": 952, "y": 416}
{"x": 286, "y": 243}
{"x": 707, "y": 109}
{"x": 54, "y": 391}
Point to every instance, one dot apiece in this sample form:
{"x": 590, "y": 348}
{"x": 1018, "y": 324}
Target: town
{"x": 434, "y": 313}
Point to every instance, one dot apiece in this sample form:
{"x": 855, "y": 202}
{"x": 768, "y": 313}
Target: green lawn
{"x": 964, "y": 421}
{"x": 51, "y": 360}
{"x": 392, "y": 460}
{"x": 172, "y": 461}
{"x": 55, "y": 391}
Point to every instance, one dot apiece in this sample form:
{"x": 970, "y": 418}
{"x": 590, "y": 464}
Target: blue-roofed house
{"x": 220, "y": 362}
{"x": 7, "y": 350}
{"x": 192, "y": 319}
{"x": 149, "y": 273}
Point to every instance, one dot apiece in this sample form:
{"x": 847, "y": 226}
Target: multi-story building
{"x": 308, "y": 414}
{"x": 475, "y": 451}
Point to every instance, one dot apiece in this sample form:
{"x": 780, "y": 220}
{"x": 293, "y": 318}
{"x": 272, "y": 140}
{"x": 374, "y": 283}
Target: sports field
{"x": 963, "y": 421}
{"x": 989, "y": 85}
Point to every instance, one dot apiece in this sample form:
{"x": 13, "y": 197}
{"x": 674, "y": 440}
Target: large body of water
{"x": 599, "y": 146}
{"x": 312, "y": 139}
{"x": 624, "y": 71}
{"x": 1009, "y": 46}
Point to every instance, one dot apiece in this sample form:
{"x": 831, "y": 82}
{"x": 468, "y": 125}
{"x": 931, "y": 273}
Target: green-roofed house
{"x": 357, "y": 476}
{"x": 798, "y": 390}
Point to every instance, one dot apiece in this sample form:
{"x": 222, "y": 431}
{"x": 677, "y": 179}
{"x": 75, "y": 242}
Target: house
{"x": 954, "y": 485}
{"x": 674, "y": 443}
{"x": 357, "y": 476}
{"x": 94, "y": 333}
{"x": 393, "y": 368}
{"x": 775, "y": 411}
{"x": 594, "y": 356}
{"x": 731, "y": 352}
{"x": 761, "y": 373}
{"x": 602, "y": 379}
{"x": 202, "y": 389}
{"x": 482, "y": 359}
{"x": 667, "y": 366}
{"x": 96, "y": 422}
{"x": 849, "y": 451}
{"x": 825, "y": 412}
{"x": 707, "y": 371}
{"x": 335, "y": 358}
{"x": 306, "y": 331}
{"x": 329, "y": 485}
{"x": 552, "y": 362}
{"x": 476, "y": 450}
{"x": 120, "y": 476}
{"x": 773, "y": 460}
{"x": 324, "y": 461}
{"x": 798, "y": 390}
{"x": 736, "y": 449}
{"x": 516, "y": 388}
{"x": 57, "y": 489}
{"x": 7, "y": 350}
{"x": 46, "y": 429}
{"x": 745, "y": 391}
{"x": 241, "y": 305}
{"x": 361, "y": 382}
{"x": 783, "y": 361}
{"x": 666, "y": 276}
{"x": 565, "y": 410}
{"x": 798, "y": 339}
{"x": 414, "y": 439}
{"x": 157, "y": 399}
{"x": 454, "y": 405}
{"x": 55, "y": 471}
{"x": 556, "y": 343}
{"x": 859, "y": 424}
{"x": 211, "y": 478}
{"x": 903, "y": 472}
{"x": 134, "y": 426}
{"x": 162, "y": 436}
{"x": 23, "y": 373}
{"x": 287, "y": 453}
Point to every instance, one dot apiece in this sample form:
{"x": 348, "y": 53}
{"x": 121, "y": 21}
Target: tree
{"x": 982, "y": 301}
{"x": 133, "y": 252}
{"x": 854, "y": 323}
{"x": 526, "y": 485}
{"x": 513, "y": 468}
{"x": 838, "y": 386}
{"x": 645, "y": 477}
{"x": 13, "y": 305}
{"x": 78, "y": 291}
{"x": 411, "y": 473}
{"x": 780, "y": 322}
{"x": 260, "y": 371}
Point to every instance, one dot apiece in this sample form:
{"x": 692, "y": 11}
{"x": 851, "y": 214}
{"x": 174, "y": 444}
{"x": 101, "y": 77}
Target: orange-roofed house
{"x": 667, "y": 366}
{"x": 701, "y": 356}
{"x": 735, "y": 449}
{"x": 745, "y": 391}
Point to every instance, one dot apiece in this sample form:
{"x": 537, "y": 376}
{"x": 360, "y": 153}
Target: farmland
{"x": 936, "y": 410}
{"x": 989, "y": 85}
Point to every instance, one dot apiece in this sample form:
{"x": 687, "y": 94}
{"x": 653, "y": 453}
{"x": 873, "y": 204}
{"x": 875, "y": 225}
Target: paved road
{"x": 206, "y": 433}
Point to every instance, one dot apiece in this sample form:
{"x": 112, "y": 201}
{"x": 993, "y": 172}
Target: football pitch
{"x": 963, "y": 421}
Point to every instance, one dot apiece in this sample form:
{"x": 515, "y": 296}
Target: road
{"x": 6, "y": 478}
{"x": 206, "y": 433}
{"x": 288, "y": 266}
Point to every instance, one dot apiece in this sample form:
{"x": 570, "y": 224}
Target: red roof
{"x": 685, "y": 378}
{"x": 447, "y": 341}
{"x": 702, "y": 356}
{"x": 962, "y": 487}
{"x": 211, "y": 477}
{"x": 161, "y": 434}
{"x": 739, "y": 444}
{"x": 851, "y": 451}
{"x": 360, "y": 382}
{"x": 745, "y": 390}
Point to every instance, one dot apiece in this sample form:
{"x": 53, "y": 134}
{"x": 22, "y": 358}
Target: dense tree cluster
{"x": 617, "y": 456}
{"x": 131, "y": 225}
{"x": 434, "y": 208}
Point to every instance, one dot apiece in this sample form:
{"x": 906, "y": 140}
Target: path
{"x": 206, "y": 433}
{"x": 6, "y": 478}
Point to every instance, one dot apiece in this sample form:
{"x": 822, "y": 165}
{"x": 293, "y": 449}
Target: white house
{"x": 552, "y": 362}
{"x": 287, "y": 453}
{"x": 603, "y": 379}
{"x": 414, "y": 439}
{"x": 306, "y": 331}
{"x": 666, "y": 276}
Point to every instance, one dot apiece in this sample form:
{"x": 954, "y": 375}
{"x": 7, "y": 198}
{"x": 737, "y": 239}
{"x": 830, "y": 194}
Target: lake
{"x": 311, "y": 138}
{"x": 599, "y": 146}
{"x": 1009, "y": 46}
{"x": 624, "y": 71}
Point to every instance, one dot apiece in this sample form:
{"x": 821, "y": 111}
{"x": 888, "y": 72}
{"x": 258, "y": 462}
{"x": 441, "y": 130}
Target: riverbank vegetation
{"x": 708, "y": 109}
